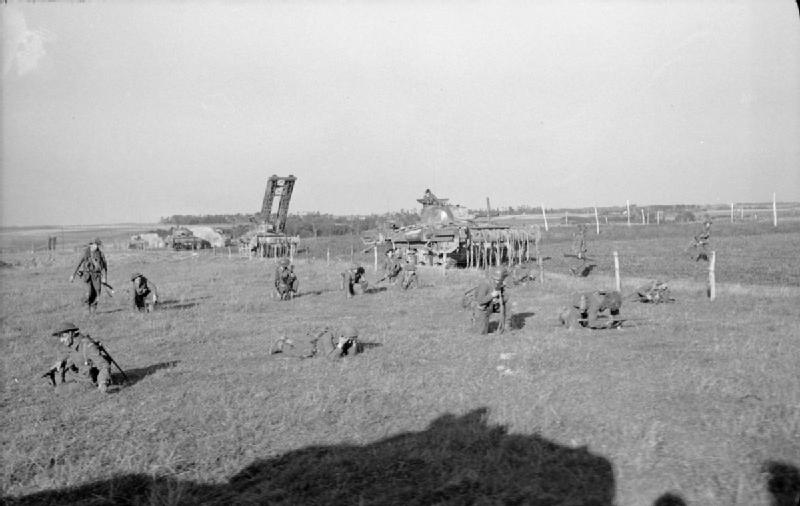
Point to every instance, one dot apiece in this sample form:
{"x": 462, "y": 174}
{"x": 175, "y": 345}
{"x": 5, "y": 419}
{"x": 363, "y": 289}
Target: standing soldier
{"x": 594, "y": 310}
{"x": 93, "y": 269}
{"x": 145, "y": 293}
{"x": 579, "y": 248}
{"x": 490, "y": 297}
{"x": 353, "y": 276}
{"x": 286, "y": 283}
{"x": 81, "y": 354}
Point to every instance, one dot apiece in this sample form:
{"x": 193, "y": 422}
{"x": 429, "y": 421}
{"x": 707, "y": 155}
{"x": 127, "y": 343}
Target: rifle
{"x": 501, "y": 327}
{"x": 63, "y": 370}
{"x": 613, "y": 321}
{"x": 110, "y": 288}
{"x": 104, "y": 353}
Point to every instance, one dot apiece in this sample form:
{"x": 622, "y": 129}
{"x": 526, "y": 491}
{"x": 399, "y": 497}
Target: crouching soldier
{"x": 490, "y": 297}
{"x": 353, "y": 276}
{"x": 286, "y": 283}
{"x": 409, "y": 276}
{"x": 594, "y": 310}
{"x": 392, "y": 267}
{"x": 145, "y": 293}
{"x": 327, "y": 342}
{"x": 654, "y": 292}
{"x": 81, "y": 354}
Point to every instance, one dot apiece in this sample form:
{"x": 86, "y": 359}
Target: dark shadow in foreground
{"x": 456, "y": 460}
{"x": 783, "y": 482}
{"x": 136, "y": 375}
{"x": 670, "y": 499}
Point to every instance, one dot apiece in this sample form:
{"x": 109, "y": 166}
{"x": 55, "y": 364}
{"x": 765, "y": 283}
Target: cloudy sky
{"x": 126, "y": 112}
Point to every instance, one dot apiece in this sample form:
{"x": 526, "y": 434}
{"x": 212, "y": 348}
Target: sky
{"x": 126, "y": 112}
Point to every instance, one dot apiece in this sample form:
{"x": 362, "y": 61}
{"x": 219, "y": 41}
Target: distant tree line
{"x": 303, "y": 225}
{"x": 621, "y": 210}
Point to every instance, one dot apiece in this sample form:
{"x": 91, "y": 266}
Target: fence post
{"x": 328, "y": 257}
{"x": 643, "y": 222}
{"x": 375, "y": 250}
{"x": 544, "y": 215}
{"x": 597, "y": 221}
{"x": 617, "y": 282}
{"x": 774, "y": 211}
{"x": 712, "y": 281}
{"x": 628, "y": 211}
{"x": 539, "y": 263}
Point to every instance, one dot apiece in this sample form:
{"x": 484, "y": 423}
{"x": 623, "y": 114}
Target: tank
{"x": 448, "y": 234}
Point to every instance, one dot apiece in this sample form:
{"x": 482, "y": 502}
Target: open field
{"x": 699, "y": 399}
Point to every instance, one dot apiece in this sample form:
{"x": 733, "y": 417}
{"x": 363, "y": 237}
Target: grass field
{"x": 698, "y": 399}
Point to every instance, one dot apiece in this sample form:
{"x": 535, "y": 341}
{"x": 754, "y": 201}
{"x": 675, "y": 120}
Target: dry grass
{"x": 695, "y": 399}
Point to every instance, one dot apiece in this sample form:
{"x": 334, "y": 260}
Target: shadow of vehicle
{"x": 783, "y": 483}
{"x": 670, "y": 499}
{"x": 456, "y": 460}
{"x": 136, "y": 375}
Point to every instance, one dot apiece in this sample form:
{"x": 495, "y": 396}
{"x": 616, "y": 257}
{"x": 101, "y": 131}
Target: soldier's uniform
{"x": 324, "y": 342}
{"x": 392, "y": 267}
{"x": 490, "y": 297}
{"x": 92, "y": 269}
{"x": 286, "y": 282}
{"x": 353, "y": 276}
{"x": 409, "y": 276}
{"x": 80, "y": 353}
{"x": 595, "y": 310}
{"x": 145, "y": 293}
{"x": 579, "y": 248}
{"x": 654, "y": 292}
{"x": 701, "y": 241}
